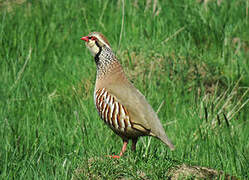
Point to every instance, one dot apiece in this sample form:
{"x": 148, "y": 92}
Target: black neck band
{"x": 96, "y": 58}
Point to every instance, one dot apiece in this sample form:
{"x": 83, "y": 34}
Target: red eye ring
{"x": 93, "y": 38}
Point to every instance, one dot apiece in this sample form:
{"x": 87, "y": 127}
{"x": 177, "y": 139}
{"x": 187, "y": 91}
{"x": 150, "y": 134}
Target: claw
{"x": 122, "y": 151}
{"x": 113, "y": 156}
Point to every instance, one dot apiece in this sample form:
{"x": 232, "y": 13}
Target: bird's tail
{"x": 163, "y": 137}
{"x": 166, "y": 141}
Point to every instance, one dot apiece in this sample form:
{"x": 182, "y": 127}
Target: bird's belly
{"x": 129, "y": 133}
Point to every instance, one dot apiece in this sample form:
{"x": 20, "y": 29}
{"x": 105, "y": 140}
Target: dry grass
{"x": 10, "y": 4}
{"x": 197, "y": 172}
{"x": 218, "y": 110}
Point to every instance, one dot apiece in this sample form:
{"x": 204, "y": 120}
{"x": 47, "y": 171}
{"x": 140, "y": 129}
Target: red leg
{"x": 125, "y": 142}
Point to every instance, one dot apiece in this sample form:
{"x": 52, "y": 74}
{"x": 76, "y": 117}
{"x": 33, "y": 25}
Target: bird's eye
{"x": 92, "y": 38}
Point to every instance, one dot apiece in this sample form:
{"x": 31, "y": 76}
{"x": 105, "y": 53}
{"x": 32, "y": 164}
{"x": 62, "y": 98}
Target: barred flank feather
{"x": 111, "y": 111}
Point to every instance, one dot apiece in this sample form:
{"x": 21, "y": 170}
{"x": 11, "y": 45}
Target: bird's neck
{"x": 106, "y": 62}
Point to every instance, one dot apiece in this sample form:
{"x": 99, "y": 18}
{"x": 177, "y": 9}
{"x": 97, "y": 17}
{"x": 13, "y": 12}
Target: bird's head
{"x": 95, "y": 41}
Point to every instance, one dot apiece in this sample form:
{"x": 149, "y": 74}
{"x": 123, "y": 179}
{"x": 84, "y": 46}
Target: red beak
{"x": 86, "y": 38}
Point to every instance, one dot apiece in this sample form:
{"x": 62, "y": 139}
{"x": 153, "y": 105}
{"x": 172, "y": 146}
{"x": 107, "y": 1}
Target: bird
{"x": 119, "y": 104}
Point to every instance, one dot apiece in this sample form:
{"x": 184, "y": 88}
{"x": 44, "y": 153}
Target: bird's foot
{"x": 113, "y": 156}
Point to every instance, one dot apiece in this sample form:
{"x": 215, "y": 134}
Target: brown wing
{"x": 141, "y": 113}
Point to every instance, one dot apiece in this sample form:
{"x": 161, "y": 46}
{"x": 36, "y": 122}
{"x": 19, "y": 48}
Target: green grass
{"x": 190, "y": 57}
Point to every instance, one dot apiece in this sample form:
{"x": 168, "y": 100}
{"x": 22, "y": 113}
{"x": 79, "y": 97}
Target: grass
{"x": 189, "y": 58}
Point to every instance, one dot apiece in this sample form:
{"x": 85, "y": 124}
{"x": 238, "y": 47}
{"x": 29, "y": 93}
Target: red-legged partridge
{"x": 122, "y": 107}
